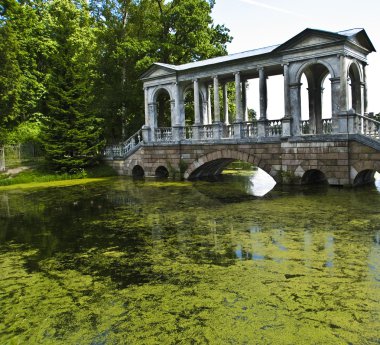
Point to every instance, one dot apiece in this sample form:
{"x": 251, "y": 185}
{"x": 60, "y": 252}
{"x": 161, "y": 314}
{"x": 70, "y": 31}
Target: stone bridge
{"x": 340, "y": 146}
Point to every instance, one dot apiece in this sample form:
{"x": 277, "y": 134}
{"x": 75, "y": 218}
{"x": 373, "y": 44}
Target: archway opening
{"x": 364, "y": 177}
{"x": 189, "y": 107}
{"x": 163, "y": 109}
{"x": 138, "y": 172}
{"x": 252, "y": 179}
{"x": 316, "y": 106}
{"x": 354, "y": 89}
{"x": 314, "y": 176}
{"x": 162, "y": 172}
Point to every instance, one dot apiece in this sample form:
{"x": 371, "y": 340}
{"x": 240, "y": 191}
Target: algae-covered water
{"x": 149, "y": 262}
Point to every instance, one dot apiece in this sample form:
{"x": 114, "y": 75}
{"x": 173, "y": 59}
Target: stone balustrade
{"x": 349, "y": 122}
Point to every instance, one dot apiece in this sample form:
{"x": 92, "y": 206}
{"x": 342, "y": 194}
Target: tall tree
{"x": 72, "y": 135}
{"x": 24, "y": 47}
{"x": 135, "y": 34}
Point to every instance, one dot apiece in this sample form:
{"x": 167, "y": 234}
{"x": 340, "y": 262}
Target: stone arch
{"x": 163, "y": 112}
{"x": 313, "y": 176}
{"x": 355, "y": 76}
{"x": 213, "y": 163}
{"x": 157, "y": 90}
{"x": 366, "y": 176}
{"x": 315, "y": 72}
{"x": 307, "y": 64}
{"x": 161, "y": 172}
{"x": 138, "y": 171}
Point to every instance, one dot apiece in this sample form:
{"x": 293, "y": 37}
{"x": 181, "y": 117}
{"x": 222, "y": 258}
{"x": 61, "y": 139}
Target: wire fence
{"x": 13, "y": 156}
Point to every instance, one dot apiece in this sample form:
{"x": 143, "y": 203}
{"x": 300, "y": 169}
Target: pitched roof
{"x": 353, "y": 35}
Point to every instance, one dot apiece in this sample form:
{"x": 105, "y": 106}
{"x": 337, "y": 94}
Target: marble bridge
{"x": 197, "y": 120}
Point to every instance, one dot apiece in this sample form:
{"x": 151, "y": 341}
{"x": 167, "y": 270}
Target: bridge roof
{"x": 356, "y": 36}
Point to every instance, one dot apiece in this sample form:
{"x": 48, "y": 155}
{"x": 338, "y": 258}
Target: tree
{"x": 23, "y": 49}
{"x": 72, "y": 133}
{"x": 135, "y": 34}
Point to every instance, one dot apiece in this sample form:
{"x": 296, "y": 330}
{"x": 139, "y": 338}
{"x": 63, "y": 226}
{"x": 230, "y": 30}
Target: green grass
{"x": 38, "y": 175}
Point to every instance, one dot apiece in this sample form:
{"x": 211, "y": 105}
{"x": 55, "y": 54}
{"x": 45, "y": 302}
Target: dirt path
{"x": 15, "y": 171}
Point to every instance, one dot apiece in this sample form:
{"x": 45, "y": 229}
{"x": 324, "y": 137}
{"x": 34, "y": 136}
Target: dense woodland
{"x": 69, "y": 69}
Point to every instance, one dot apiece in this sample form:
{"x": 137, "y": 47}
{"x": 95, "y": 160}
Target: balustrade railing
{"x": 355, "y": 123}
{"x": 206, "y": 132}
{"x": 367, "y": 126}
{"x": 327, "y": 126}
{"x": 305, "y": 126}
{"x": 125, "y": 147}
{"x": 250, "y": 130}
{"x": 163, "y": 134}
{"x": 228, "y": 131}
{"x": 273, "y": 128}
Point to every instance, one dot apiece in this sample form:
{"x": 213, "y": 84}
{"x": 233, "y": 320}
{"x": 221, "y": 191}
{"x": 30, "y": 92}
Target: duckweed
{"x": 120, "y": 262}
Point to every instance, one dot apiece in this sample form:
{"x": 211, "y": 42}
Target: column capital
{"x": 237, "y": 73}
{"x": 344, "y": 55}
{"x": 335, "y": 80}
{"x": 285, "y": 64}
{"x": 295, "y": 85}
{"x": 195, "y": 80}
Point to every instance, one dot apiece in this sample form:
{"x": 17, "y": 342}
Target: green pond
{"x": 163, "y": 262}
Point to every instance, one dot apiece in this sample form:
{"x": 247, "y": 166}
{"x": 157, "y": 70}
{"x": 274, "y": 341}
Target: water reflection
{"x": 260, "y": 183}
{"x": 199, "y": 262}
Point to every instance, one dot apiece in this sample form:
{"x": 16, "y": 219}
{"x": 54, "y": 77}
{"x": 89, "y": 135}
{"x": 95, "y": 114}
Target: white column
{"x": 365, "y": 91}
{"x": 225, "y": 104}
{"x": 286, "y": 91}
{"x": 343, "y": 84}
{"x": 216, "y": 100}
{"x": 152, "y": 114}
{"x": 146, "y": 107}
{"x": 244, "y": 100}
{"x": 295, "y": 101}
{"x": 197, "y": 115}
{"x": 239, "y": 113}
{"x": 263, "y": 94}
{"x": 209, "y": 115}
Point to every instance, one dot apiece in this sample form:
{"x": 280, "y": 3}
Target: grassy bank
{"x": 31, "y": 177}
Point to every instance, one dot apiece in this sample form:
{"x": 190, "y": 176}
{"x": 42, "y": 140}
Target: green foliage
{"x": 70, "y": 68}
{"x": 72, "y": 134}
{"x": 28, "y": 131}
{"x": 133, "y": 35}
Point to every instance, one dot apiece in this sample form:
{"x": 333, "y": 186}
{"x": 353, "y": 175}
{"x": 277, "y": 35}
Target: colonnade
{"x": 346, "y": 71}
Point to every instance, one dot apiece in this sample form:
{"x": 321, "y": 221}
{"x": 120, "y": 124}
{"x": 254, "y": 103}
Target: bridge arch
{"x": 313, "y": 176}
{"x": 366, "y": 176}
{"x": 138, "y": 171}
{"x": 161, "y": 172}
{"x": 215, "y": 162}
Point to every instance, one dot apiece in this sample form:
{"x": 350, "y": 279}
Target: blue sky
{"x": 261, "y": 23}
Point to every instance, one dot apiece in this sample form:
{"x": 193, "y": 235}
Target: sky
{"x": 261, "y": 23}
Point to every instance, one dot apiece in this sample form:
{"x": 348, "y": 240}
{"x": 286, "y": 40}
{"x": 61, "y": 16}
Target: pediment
{"x": 318, "y": 38}
{"x": 158, "y": 70}
{"x": 311, "y": 38}
{"x": 312, "y": 41}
